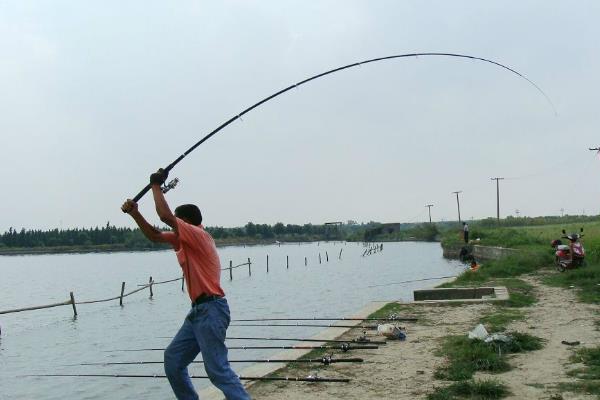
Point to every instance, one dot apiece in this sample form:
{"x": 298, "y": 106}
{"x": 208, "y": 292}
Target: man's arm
{"x": 162, "y": 208}
{"x": 153, "y": 234}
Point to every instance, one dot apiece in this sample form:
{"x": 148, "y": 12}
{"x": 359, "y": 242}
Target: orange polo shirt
{"x": 198, "y": 257}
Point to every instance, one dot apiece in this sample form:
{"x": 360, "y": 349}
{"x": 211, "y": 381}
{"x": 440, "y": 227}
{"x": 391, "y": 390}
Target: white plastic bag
{"x": 479, "y": 333}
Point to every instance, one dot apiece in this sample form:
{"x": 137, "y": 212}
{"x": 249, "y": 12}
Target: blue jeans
{"x": 203, "y": 331}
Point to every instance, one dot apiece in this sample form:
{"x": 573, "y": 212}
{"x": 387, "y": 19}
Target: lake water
{"x": 47, "y": 341}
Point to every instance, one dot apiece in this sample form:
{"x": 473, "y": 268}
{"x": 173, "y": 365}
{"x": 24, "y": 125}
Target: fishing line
{"x": 414, "y": 280}
{"x": 356, "y": 64}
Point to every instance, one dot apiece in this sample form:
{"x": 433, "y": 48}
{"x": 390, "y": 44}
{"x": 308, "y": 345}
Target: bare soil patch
{"x": 404, "y": 370}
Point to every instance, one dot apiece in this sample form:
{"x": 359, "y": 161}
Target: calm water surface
{"x": 47, "y": 341}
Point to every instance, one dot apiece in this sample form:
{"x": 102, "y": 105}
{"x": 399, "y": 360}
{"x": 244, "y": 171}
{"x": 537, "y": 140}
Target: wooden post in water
{"x": 340, "y": 256}
{"x": 267, "y": 263}
{"x": 122, "y": 291}
{"x": 326, "y": 256}
{"x": 305, "y": 262}
{"x": 150, "y": 286}
{"x": 319, "y": 258}
{"x": 182, "y": 282}
{"x": 287, "y": 262}
{"x": 230, "y": 270}
{"x": 249, "y": 269}
{"x": 73, "y": 304}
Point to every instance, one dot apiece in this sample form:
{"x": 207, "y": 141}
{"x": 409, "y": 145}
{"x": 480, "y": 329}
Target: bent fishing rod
{"x": 309, "y": 378}
{"x": 326, "y": 360}
{"x": 169, "y": 167}
{"x": 343, "y": 347}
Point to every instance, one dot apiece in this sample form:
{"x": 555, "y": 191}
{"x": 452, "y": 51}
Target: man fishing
{"x": 204, "y": 328}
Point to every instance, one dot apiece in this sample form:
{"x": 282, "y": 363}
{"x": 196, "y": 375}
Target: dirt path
{"x": 556, "y": 317}
{"x": 404, "y": 370}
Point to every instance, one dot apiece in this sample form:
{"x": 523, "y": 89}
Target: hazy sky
{"x": 97, "y": 95}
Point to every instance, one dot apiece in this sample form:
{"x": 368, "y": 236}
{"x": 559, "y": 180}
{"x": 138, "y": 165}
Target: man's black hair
{"x": 189, "y": 213}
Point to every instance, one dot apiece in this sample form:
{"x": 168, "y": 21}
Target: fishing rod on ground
{"x": 326, "y": 360}
{"x": 169, "y": 167}
{"x": 391, "y": 318}
{"x": 361, "y": 339}
{"x": 309, "y": 378}
{"x": 343, "y": 347}
{"x": 312, "y": 326}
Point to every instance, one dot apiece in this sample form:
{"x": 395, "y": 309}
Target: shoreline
{"x": 120, "y": 249}
{"x": 34, "y": 251}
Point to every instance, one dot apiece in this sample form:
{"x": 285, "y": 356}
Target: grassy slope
{"x": 536, "y": 253}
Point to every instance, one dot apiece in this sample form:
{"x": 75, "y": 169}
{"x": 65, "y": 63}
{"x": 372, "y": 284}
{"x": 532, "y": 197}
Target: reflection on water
{"x": 46, "y": 341}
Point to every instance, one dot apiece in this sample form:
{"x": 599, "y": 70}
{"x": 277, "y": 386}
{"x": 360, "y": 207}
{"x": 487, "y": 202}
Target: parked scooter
{"x": 569, "y": 256}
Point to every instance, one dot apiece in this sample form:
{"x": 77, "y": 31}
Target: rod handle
{"x": 149, "y": 186}
{"x": 142, "y": 193}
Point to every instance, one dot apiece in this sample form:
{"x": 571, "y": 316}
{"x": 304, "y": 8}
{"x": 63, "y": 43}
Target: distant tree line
{"x": 129, "y": 238}
{"x": 106, "y": 235}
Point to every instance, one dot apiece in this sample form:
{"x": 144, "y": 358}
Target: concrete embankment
{"x": 477, "y": 251}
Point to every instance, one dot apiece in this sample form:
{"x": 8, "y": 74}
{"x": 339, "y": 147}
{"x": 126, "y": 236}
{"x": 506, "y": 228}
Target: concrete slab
{"x": 462, "y": 295}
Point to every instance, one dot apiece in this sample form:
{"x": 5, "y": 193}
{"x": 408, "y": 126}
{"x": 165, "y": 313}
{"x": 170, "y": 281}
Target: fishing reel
{"x": 168, "y": 186}
{"x": 345, "y": 347}
{"x": 362, "y": 339}
{"x": 313, "y": 377}
{"x": 326, "y": 360}
{"x": 395, "y": 317}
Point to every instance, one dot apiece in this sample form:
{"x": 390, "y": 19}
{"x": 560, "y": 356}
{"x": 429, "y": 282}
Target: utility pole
{"x": 497, "y": 197}
{"x": 562, "y": 212}
{"x": 429, "y": 207}
{"x": 458, "y": 204}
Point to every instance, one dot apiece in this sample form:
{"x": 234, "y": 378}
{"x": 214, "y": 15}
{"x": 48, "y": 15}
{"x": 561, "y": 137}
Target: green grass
{"x": 588, "y": 375}
{"x": 507, "y": 267}
{"x": 466, "y": 356}
{"x": 401, "y": 310}
{"x": 524, "y": 237}
{"x": 497, "y": 320}
{"x": 393, "y": 308}
{"x": 590, "y": 358}
{"x": 589, "y": 387}
{"x": 473, "y": 389}
{"x": 586, "y": 280}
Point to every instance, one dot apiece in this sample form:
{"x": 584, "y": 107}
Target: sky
{"x": 97, "y": 95}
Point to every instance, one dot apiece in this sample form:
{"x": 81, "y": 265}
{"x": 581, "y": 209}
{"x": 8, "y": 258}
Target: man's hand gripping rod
{"x": 165, "y": 187}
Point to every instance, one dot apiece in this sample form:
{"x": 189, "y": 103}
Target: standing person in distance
{"x": 204, "y": 328}
{"x": 466, "y": 232}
